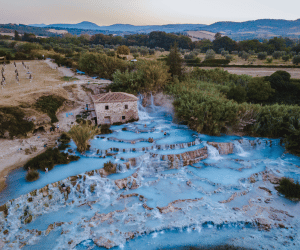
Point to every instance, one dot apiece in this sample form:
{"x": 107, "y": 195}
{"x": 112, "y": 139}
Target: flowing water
{"x": 181, "y": 188}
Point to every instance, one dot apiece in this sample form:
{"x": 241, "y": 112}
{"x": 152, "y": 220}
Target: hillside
{"x": 125, "y": 27}
{"x": 264, "y": 28}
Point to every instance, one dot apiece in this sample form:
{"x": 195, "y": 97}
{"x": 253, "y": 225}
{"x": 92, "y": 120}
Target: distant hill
{"x": 124, "y": 27}
{"x": 263, "y": 28}
{"x": 260, "y": 29}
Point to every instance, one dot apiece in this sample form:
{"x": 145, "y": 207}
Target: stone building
{"x": 113, "y": 107}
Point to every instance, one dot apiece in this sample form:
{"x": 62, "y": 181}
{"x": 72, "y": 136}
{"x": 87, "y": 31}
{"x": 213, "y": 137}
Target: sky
{"x": 145, "y": 12}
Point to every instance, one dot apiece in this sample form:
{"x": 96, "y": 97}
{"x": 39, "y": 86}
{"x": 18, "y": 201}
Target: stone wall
{"x": 116, "y": 111}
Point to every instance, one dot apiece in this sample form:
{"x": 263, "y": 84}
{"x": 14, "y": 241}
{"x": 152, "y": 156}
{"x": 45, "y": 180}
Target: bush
{"x": 269, "y": 60}
{"x": 32, "y": 175}
{"x": 81, "y": 134}
{"x": 237, "y": 93}
{"x": 111, "y": 53}
{"x": 190, "y": 56}
{"x": 245, "y": 56}
{"x": 210, "y": 54}
{"x": 105, "y": 129}
{"x": 203, "y": 107}
{"x": 296, "y": 60}
{"x": 12, "y": 120}
{"x": 277, "y": 54}
{"x": 262, "y": 55}
{"x": 101, "y": 65}
{"x": 149, "y": 76}
{"x": 110, "y": 168}
{"x": 135, "y": 55}
{"x": 286, "y": 58}
{"x": 229, "y": 57}
{"x": 215, "y": 62}
{"x": 288, "y": 188}
{"x": 259, "y": 90}
{"x": 49, "y": 105}
{"x": 49, "y": 159}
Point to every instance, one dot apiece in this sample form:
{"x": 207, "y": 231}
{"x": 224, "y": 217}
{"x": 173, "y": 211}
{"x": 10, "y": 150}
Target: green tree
{"x": 17, "y": 36}
{"x": 174, "y": 61}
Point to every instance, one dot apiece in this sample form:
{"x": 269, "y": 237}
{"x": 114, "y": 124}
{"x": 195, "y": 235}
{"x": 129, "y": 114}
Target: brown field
{"x": 7, "y": 34}
{"x": 58, "y": 31}
{"x": 45, "y": 80}
{"x": 201, "y": 34}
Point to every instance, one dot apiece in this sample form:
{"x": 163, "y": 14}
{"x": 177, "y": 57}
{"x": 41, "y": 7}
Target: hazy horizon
{"x": 144, "y": 12}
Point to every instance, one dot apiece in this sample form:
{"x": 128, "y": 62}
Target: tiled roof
{"x": 114, "y": 97}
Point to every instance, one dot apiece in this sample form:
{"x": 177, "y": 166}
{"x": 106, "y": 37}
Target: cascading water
{"x": 239, "y": 149}
{"x": 179, "y": 188}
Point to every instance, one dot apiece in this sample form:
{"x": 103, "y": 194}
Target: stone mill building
{"x": 115, "y": 107}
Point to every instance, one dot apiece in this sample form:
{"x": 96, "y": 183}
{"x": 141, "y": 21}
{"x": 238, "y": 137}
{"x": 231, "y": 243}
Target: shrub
{"x": 269, "y": 60}
{"x": 215, "y": 62}
{"x": 81, "y": 134}
{"x": 49, "y": 159}
{"x": 259, "y": 90}
{"x": 135, "y": 55}
{"x": 286, "y": 58}
{"x": 111, "y": 53}
{"x": 203, "y": 107}
{"x": 12, "y": 120}
{"x": 105, "y": 129}
{"x": 288, "y": 188}
{"x": 101, "y": 64}
{"x": 262, "y": 55}
{"x": 245, "y": 56}
{"x": 32, "y": 175}
{"x": 296, "y": 60}
{"x": 210, "y": 54}
{"x": 277, "y": 54}
{"x": 237, "y": 93}
{"x": 49, "y": 105}
{"x": 123, "y": 50}
{"x": 149, "y": 76}
{"x": 110, "y": 168}
{"x": 190, "y": 56}
{"x": 229, "y": 57}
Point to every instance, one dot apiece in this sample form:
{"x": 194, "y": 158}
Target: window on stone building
{"x": 123, "y": 117}
{"x": 126, "y": 106}
{"x": 106, "y": 107}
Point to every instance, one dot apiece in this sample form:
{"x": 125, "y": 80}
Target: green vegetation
{"x": 101, "y": 64}
{"x": 148, "y": 76}
{"x": 206, "y": 106}
{"x": 69, "y": 78}
{"x": 48, "y": 159}
{"x": 64, "y": 140}
{"x": 49, "y": 105}
{"x": 174, "y": 61}
{"x": 81, "y": 134}
{"x": 288, "y": 188}
{"x": 13, "y": 121}
{"x": 32, "y": 175}
{"x": 105, "y": 129}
